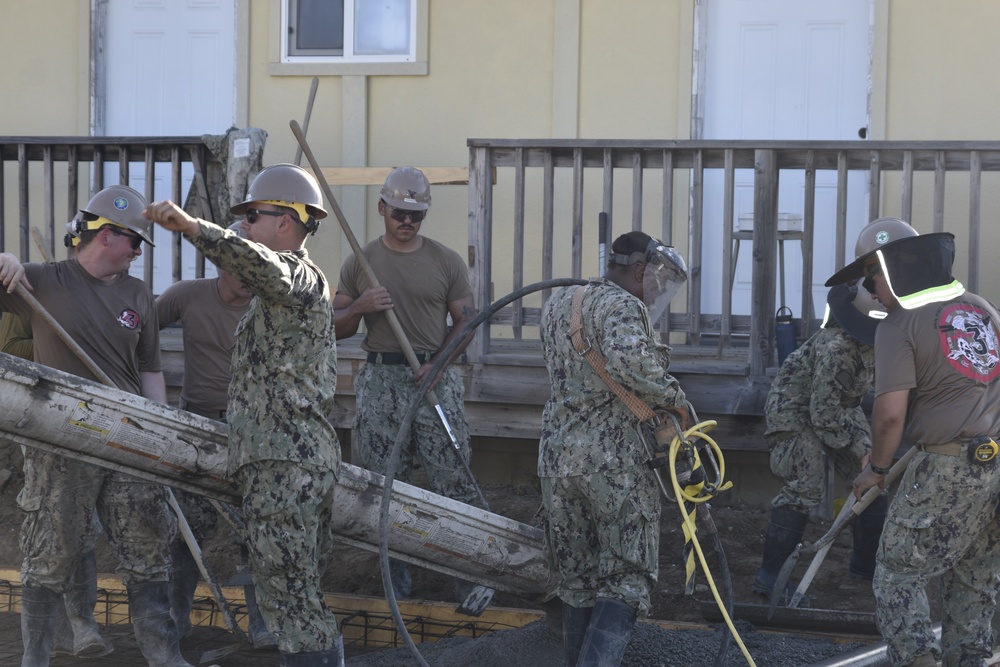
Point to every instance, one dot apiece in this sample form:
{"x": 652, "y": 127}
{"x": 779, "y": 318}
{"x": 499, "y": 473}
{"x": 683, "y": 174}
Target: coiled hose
{"x": 697, "y": 452}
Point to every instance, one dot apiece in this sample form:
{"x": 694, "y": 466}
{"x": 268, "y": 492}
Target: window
{"x": 349, "y": 31}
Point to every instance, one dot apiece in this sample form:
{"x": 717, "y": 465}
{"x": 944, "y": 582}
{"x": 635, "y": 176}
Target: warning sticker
{"x": 85, "y": 422}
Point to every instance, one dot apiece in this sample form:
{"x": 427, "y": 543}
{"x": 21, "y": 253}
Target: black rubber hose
{"x": 404, "y": 429}
{"x": 727, "y": 583}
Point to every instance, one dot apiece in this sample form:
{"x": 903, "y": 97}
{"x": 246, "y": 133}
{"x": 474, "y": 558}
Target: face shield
{"x": 666, "y": 273}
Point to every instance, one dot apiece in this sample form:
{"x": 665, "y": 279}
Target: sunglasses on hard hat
{"x": 870, "y": 271}
{"x": 134, "y": 239}
{"x": 253, "y": 214}
{"x": 401, "y": 214}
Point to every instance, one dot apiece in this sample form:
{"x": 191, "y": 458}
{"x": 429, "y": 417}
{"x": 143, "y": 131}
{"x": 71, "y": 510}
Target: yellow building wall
{"x": 526, "y": 68}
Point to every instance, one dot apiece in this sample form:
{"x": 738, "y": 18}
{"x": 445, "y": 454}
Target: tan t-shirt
{"x": 209, "y": 332}
{"x": 421, "y": 283}
{"x": 115, "y": 323}
{"x": 948, "y": 356}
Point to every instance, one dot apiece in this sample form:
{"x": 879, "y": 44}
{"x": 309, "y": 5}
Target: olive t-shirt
{"x": 209, "y": 333}
{"x": 113, "y": 322}
{"x": 421, "y": 283}
{"x": 948, "y": 356}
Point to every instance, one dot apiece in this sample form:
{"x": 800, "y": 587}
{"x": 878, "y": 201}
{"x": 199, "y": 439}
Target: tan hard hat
{"x": 119, "y": 205}
{"x": 407, "y": 188}
{"x": 285, "y": 185}
{"x": 876, "y": 235}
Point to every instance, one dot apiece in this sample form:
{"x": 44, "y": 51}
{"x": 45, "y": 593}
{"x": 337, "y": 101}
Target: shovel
{"x": 851, "y": 509}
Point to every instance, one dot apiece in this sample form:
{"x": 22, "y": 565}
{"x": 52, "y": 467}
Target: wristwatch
{"x": 877, "y": 470}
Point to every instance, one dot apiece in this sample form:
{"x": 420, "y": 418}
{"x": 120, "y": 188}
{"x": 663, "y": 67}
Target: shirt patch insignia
{"x": 129, "y": 319}
{"x": 969, "y": 341}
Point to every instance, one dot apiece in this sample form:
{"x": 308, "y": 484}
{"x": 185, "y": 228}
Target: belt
{"x": 947, "y": 449}
{"x": 218, "y": 415}
{"x": 396, "y": 358}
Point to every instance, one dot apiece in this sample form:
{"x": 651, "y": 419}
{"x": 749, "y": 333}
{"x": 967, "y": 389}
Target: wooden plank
{"x": 975, "y": 207}
{"x": 376, "y": 175}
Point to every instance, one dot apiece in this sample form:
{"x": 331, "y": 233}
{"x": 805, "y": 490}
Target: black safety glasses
{"x": 134, "y": 239}
{"x": 401, "y": 214}
{"x": 871, "y": 271}
{"x": 253, "y": 214}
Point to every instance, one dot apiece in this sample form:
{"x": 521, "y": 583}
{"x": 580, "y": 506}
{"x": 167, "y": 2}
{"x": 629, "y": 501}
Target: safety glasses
{"x": 871, "y": 270}
{"x": 253, "y": 214}
{"x": 401, "y": 214}
{"x": 134, "y": 239}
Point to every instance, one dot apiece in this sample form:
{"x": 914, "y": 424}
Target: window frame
{"x": 282, "y": 64}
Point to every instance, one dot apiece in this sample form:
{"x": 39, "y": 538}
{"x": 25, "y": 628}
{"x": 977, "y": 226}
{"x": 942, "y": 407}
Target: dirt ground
{"x": 741, "y": 530}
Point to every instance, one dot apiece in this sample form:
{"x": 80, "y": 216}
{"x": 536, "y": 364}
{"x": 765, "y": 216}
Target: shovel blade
{"x": 781, "y": 581}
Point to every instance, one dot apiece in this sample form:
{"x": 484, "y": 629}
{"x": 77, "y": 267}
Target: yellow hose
{"x": 699, "y": 431}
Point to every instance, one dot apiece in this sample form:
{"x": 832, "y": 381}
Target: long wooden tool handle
{"x": 397, "y": 328}
{"x": 305, "y": 120}
{"x": 30, "y": 299}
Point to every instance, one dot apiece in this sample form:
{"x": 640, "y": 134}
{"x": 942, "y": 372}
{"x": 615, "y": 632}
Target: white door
{"x": 170, "y": 71}
{"x": 783, "y": 69}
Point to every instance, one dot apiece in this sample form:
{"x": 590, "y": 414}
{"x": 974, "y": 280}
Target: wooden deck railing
{"x": 52, "y": 171}
{"x": 543, "y": 212}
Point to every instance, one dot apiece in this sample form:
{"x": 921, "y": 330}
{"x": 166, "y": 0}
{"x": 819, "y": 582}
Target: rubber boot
{"x": 77, "y": 632}
{"x": 399, "y": 574}
{"x": 155, "y": 631}
{"x": 62, "y": 636}
{"x": 784, "y": 532}
{"x": 574, "y": 628}
{"x": 867, "y": 531}
{"x": 260, "y": 636}
{"x": 184, "y": 577}
{"x": 331, "y": 657}
{"x": 611, "y": 623}
{"x": 39, "y": 608}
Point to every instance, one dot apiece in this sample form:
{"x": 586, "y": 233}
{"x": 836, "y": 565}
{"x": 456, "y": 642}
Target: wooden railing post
{"x": 480, "y": 244}
{"x": 765, "y": 244}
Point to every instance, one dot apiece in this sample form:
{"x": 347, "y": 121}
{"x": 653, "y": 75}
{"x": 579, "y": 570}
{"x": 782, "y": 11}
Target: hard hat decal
{"x": 882, "y": 237}
{"x": 121, "y": 203}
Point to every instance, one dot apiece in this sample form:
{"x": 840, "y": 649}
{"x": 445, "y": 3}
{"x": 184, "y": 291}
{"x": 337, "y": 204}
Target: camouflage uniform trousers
{"x": 383, "y": 394}
{"x": 942, "y": 522}
{"x": 603, "y": 535}
{"x": 58, "y": 527}
{"x": 31, "y": 489}
{"x": 288, "y": 510}
{"x": 800, "y": 460}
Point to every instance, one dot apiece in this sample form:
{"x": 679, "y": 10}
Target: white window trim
{"x": 281, "y": 65}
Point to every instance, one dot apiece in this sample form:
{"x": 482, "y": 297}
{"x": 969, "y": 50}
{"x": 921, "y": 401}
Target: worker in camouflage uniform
{"x": 601, "y": 501}
{"x": 76, "y": 630}
{"x": 209, "y": 309}
{"x": 112, "y": 317}
{"x": 283, "y": 453}
{"x": 937, "y": 365}
{"x": 423, "y": 282}
{"x": 814, "y": 414}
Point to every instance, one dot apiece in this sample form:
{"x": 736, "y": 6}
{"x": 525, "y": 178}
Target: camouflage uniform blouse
{"x": 586, "y": 428}
{"x": 285, "y": 359}
{"x": 821, "y": 384}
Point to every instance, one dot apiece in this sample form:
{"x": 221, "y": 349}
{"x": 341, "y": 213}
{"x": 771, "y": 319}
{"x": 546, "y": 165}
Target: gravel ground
{"x": 535, "y": 645}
